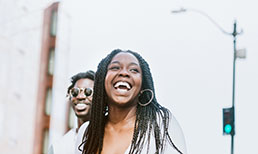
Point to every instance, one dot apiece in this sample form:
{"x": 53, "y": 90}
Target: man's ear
{"x": 68, "y": 97}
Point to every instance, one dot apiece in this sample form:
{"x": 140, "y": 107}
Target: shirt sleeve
{"x": 177, "y": 135}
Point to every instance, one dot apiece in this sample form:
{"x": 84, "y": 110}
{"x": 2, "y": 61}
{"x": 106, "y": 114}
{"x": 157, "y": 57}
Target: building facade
{"x": 32, "y": 75}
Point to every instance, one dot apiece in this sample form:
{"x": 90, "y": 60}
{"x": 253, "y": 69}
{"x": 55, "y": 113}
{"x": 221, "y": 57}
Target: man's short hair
{"x": 82, "y": 75}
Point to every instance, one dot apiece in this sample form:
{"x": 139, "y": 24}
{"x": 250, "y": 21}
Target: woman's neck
{"x": 122, "y": 116}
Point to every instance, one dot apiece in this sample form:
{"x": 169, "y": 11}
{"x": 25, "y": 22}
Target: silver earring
{"x": 152, "y": 96}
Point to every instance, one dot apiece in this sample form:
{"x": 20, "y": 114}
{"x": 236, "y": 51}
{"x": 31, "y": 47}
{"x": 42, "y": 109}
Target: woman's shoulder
{"x": 176, "y": 134}
{"x": 175, "y": 140}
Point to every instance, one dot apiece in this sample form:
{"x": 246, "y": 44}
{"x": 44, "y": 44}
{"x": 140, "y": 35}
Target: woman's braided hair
{"x": 152, "y": 117}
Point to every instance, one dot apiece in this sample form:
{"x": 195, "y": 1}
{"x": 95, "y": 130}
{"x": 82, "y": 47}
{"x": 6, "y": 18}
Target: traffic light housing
{"x": 228, "y": 121}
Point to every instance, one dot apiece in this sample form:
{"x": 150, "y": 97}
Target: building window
{"x": 48, "y": 102}
{"x": 45, "y": 142}
{"x": 53, "y": 24}
{"x": 51, "y": 61}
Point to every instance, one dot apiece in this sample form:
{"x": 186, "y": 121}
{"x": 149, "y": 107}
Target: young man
{"x": 80, "y": 96}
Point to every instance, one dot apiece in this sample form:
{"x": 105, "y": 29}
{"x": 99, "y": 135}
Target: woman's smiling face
{"x": 123, "y": 79}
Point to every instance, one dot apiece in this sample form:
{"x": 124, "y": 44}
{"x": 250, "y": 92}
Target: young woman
{"x": 126, "y": 118}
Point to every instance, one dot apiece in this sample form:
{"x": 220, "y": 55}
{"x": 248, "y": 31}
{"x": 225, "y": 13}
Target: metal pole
{"x": 234, "y": 34}
{"x": 232, "y": 144}
{"x": 234, "y": 63}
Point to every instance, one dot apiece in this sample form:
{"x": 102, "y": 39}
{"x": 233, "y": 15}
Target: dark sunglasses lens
{"x": 75, "y": 92}
{"x": 88, "y": 91}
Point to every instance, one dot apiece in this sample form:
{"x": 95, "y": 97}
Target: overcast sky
{"x": 191, "y": 60}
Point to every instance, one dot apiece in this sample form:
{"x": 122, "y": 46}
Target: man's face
{"x": 81, "y": 103}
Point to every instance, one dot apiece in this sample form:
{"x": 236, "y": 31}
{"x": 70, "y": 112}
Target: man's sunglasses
{"x": 74, "y": 92}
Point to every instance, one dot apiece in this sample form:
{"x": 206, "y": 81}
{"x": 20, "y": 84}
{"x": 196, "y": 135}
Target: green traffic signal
{"x": 228, "y": 121}
{"x": 228, "y": 128}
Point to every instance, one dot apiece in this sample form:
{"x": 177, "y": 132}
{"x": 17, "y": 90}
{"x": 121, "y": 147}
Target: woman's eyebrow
{"x": 117, "y": 62}
{"x": 113, "y": 62}
{"x": 133, "y": 63}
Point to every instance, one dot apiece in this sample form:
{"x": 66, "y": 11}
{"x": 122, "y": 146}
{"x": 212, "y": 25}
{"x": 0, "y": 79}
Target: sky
{"x": 191, "y": 60}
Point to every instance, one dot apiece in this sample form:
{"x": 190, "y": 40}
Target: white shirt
{"x": 174, "y": 131}
{"x": 64, "y": 145}
{"x": 79, "y": 137}
{"x": 177, "y": 136}
{"x": 67, "y": 144}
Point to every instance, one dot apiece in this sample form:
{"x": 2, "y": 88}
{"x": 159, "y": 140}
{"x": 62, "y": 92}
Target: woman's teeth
{"x": 122, "y": 85}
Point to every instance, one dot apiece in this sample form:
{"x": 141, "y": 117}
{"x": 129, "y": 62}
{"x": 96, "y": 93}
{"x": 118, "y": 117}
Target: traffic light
{"x": 228, "y": 121}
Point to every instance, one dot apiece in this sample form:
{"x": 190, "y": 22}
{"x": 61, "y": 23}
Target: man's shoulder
{"x": 69, "y": 135}
{"x": 65, "y": 144}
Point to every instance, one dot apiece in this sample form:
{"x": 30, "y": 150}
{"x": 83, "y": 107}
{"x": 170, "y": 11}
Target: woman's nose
{"x": 124, "y": 72}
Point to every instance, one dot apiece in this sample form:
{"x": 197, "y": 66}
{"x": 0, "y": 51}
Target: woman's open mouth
{"x": 122, "y": 86}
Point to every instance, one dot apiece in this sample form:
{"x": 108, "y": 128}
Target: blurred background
{"x": 44, "y": 42}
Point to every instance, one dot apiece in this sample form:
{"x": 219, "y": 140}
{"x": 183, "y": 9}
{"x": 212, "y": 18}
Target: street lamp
{"x": 228, "y": 113}
{"x": 182, "y": 10}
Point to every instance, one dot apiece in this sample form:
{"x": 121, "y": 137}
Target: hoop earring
{"x": 152, "y": 96}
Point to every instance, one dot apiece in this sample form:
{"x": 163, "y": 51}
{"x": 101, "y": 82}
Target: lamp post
{"x": 237, "y": 54}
